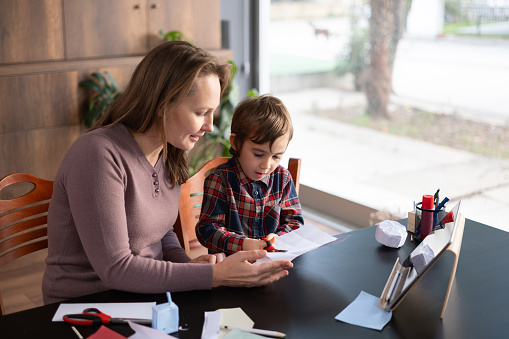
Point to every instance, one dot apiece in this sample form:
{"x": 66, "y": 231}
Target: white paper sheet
{"x": 211, "y": 325}
{"x": 115, "y": 310}
{"x": 145, "y": 332}
{"x": 297, "y": 242}
{"x": 365, "y": 311}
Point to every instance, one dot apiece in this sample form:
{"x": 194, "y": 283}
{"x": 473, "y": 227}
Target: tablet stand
{"x": 454, "y": 247}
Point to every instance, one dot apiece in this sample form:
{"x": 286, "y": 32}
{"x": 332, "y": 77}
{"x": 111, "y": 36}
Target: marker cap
{"x": 428, "y": 202}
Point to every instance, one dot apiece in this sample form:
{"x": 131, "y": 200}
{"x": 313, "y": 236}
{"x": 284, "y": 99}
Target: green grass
{"x": 288, "y": 64}
{"x": 452, "y": 29}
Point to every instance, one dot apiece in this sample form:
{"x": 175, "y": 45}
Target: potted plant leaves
{"x": 105, "y": 90}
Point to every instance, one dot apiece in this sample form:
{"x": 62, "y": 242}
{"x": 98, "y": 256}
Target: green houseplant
{"x": 105, "y": 90}
{"x": 355, "y": 57}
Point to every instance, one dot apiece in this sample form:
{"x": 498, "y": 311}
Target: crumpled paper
{"x": 391, "y": 233}
{"x": 421, "y": 257}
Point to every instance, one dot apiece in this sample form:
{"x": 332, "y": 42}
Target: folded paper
{"x": 233, "y": 317}
{"x": 211, "y": 324}
{"x": 165, "y": 317}
{"x": 391, "y": 233}
{"x": 421, "y": 257}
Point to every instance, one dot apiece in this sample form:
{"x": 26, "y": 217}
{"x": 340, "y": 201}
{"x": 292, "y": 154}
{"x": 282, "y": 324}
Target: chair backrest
{"x": 294, "y": 169}
{"x": 23, "y": 220}
{"x": 191, "y": 199}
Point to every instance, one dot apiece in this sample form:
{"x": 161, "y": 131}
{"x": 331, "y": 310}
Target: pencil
{"x": 77, "y": 332}
{"x": 256, "y": 331}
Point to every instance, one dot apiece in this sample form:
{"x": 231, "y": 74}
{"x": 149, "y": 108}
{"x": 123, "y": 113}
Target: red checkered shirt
{"x": 235, "y": 207}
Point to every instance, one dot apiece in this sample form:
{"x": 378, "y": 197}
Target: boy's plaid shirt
{"x": 235, "y": 206}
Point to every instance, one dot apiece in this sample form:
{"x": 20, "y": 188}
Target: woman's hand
{"x": 208, "y": 259}
{"x": 236, "y": 271}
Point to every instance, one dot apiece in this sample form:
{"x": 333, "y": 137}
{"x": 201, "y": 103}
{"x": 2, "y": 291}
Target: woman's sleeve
{"x": 95, "y": 186}
{"x": 172, "y": 251}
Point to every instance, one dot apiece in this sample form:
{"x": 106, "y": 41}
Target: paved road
{"x": 469, "y": 77}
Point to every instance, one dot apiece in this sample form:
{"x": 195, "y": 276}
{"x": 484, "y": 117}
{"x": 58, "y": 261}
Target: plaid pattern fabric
{"x": 235, "y": 207}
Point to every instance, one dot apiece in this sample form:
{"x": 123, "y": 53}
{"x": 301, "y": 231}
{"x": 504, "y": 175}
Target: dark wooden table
{"x": 324, "y": 281}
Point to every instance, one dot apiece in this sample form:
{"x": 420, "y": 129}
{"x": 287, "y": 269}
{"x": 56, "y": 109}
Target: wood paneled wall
{"x": 48, "y": 46}
{"x": 31, "y": 30}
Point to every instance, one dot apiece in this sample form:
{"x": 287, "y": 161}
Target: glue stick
{"x": 426, "y": 217}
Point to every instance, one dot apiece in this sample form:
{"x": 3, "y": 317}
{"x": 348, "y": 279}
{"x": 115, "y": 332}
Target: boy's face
{"x": 259, "y": 160}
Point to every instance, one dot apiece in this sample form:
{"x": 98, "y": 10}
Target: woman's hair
{"x": 161, "y": 81}
{"x": 262, "y": 119}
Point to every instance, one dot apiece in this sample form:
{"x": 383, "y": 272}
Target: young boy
{"x": 251, "y": 196}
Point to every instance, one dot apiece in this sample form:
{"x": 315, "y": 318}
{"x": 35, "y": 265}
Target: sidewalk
{"x": 389, "y": 172}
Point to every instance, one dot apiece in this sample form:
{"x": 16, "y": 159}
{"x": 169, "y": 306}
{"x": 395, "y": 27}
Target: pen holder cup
{"x": 438, "y": 215}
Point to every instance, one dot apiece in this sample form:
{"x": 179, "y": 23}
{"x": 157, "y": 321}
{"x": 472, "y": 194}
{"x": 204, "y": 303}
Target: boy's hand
{"x": 257, "y": 244}
{"x": 272, "y": 238}
{"x": 253, "y": 244}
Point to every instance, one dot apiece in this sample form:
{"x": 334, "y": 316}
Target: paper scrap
{"x": 145, "y": 332}
{"x": 421, "y": 257}
{"x": 300, "y": 241}
{"x": 115, "y": 310}
{"x": 211, "y": 325}
{"x": 365, "y": 311}
{"x": 105, "y": 333}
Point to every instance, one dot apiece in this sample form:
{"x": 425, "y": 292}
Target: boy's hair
{"x": 163, "y": 79}
{"x": 262, "y": 119}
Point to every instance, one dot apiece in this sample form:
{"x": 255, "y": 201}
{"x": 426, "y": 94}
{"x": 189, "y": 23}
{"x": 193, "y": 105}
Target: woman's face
{"x": 194, "y": 116}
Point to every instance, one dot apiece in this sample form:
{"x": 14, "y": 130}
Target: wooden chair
{"x": 23, "y": 220}
{"x": 191, "y": 199}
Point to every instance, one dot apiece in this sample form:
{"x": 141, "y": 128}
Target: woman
{"x": 116, "y": 194}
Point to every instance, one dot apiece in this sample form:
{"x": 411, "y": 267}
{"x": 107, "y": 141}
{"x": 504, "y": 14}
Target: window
{"x": 449, "y": 110}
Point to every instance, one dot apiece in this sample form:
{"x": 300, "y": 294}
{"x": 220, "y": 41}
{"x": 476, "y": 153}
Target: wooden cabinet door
{"x": 101, "y": 28}
{"x": 36, "y": 101}
{"x": 30, "y": 30}
{"x": 198, "y": 20}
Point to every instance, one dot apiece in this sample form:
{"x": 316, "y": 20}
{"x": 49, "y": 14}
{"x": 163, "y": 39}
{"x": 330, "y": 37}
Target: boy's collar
{"x": 243, "y": 178}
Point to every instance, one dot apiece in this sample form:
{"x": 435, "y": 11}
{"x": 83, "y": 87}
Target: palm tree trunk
{"x": 400, "y": 14}
{"x": 379, "y": 83}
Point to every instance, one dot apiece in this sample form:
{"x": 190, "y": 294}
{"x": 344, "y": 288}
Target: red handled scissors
{"x": 271, "y": 248}
{"x": 92, "y": 316}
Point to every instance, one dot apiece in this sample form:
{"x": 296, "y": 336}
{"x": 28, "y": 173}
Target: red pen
{"x": 427, "y": 216}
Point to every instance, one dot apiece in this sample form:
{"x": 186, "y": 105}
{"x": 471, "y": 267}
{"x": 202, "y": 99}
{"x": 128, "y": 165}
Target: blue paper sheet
{"x": 365, "y": 311}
